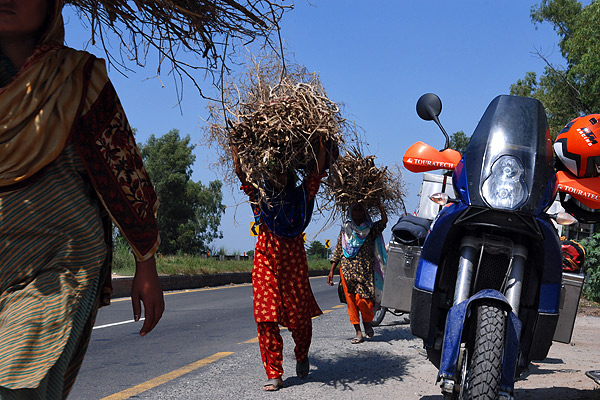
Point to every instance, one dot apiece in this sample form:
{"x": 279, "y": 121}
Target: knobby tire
{"x": 484, "y": 370}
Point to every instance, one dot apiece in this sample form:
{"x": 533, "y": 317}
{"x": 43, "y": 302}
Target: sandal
{"x": 273, "y": 385}
{"x": 369, "y": 332}
{"x": 357, "y": 340}
{"x": 302, "y": 368}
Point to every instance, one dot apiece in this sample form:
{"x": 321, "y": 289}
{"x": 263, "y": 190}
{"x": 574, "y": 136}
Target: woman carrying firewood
{"x": 280, "y": 286}
{"x": 359, "y": 247}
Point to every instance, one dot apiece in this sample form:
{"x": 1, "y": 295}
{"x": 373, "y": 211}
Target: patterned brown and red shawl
{"x": 105, "y": 142}
{"x": 63, "y": 96}
{"x": 40, "y": 118}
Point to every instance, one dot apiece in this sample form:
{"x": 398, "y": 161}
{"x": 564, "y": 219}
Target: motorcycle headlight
{"x": 504, "y": 187}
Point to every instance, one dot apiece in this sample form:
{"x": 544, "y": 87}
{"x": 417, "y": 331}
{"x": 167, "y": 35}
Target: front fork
{"x": 471, "y": 249}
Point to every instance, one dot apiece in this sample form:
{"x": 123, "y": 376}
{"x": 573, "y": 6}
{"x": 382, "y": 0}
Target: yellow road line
{"x": 152, "y": 383}
{"x": 340, "y": 306}
{"x": 324, "y": 312}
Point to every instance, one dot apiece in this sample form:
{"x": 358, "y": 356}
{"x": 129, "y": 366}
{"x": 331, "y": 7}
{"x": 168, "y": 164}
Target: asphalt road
{"x": 205, "y": 348}
{"x": 196, "y": 324}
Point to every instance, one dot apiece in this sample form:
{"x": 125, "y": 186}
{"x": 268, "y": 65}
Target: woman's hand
{"x": 330, "y": 276}
{"x": 321, "y": 167}
{"x": 384, "y": 218}
{"x": 237, "y": 165}
{"x": 146, "y": 288}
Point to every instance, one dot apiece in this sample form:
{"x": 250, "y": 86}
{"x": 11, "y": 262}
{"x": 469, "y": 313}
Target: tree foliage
{"x": 591, "y": 289}
{"x": 189, "y": 213}
{"x": 574, "y": 89}
{"x": 316, "y": 249}
{"x": 459, "y": 141}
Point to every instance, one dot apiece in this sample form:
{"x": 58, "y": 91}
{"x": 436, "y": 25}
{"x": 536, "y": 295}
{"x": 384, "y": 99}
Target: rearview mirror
{"x": 429, "y": 107}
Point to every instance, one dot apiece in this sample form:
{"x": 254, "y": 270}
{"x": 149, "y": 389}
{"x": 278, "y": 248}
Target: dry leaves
{"x": 275, "y": 122}
{"x": 276, "y": 119}
{"x": 355, "y": 178}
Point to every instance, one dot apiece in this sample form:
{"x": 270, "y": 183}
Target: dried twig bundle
{"x": 205, "y": 28}
{"x": 283, "y": 133}
{"x": 275, "y": 122}
{"x": 355, "y": 178}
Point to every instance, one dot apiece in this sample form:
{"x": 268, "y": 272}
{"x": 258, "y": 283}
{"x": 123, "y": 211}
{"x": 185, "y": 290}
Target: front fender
{"x": 455, "y": 322}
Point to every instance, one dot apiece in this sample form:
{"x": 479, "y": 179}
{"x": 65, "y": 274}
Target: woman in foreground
{"x": 68, "y": 166}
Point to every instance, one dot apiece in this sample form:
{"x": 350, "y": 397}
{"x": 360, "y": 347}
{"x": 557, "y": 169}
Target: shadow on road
{"x": 394, "y": 330}
{"x": 534, "y": 369}
{"x": 354, "y": 365}
{"x": 366, "y": 368}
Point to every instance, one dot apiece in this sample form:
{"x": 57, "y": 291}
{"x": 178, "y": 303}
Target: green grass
{"x": 123, "y": 264}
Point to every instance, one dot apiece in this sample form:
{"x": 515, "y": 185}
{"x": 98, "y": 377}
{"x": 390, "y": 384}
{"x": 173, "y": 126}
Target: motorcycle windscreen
{"x": 516, "y": 127}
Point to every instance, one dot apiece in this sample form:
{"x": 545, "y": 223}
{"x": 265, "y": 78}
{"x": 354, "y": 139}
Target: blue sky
{"x": 376, "y": 57}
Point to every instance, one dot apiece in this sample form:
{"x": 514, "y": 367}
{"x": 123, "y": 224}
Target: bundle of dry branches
{"x": 355, "y": 178}
{"x": 276, "y": 123}
{"x": 206, "y": 28}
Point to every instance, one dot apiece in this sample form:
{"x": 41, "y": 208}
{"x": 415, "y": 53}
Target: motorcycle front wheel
{"x": 485, "y": 365}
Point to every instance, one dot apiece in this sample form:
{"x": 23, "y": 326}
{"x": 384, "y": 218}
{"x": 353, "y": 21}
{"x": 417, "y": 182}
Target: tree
{"x": 189, "y": 213}
{"x": 316, "y": 249}
{"x": 459, "y": 141}
{"x": 574, "y": 90}
{"x": 591, "y": 267}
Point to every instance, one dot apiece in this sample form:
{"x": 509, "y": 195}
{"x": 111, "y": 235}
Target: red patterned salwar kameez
{"x": 281, "y": 291}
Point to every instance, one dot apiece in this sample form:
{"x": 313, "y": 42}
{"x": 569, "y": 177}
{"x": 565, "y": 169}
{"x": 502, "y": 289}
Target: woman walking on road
{"x": 359, "y": 247}
{"x": 69, "y": 164}
{"x": 280, "y": 286}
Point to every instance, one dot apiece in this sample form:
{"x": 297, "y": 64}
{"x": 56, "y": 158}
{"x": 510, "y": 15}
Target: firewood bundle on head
{"x": 276, "y": 123}
{"x": 355, "y": 179}
{"x": 283, "y": 133}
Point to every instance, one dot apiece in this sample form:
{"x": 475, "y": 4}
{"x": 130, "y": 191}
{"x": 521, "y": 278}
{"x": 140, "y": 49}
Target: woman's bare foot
{"x": 273, "y": 385}
{"x": 358, "y": 338}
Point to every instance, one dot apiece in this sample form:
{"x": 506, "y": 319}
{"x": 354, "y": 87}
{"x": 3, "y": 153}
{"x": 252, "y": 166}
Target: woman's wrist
{"x": 148, "y": 265}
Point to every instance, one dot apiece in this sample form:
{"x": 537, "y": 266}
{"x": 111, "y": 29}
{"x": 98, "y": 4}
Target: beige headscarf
{"x": 39, "y": 106}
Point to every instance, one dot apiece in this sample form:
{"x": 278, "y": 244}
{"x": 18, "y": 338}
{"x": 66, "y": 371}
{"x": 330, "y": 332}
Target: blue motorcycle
{"x": 487, "y": 290}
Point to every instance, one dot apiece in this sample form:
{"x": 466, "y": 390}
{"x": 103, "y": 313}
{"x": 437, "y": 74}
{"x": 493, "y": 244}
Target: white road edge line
{"x": 116, "y": 323}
